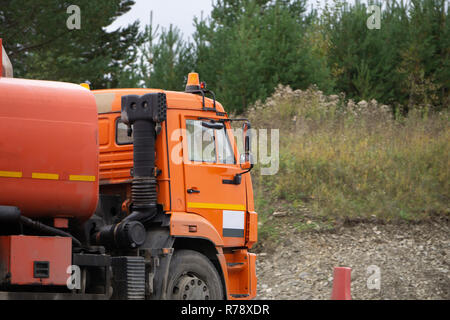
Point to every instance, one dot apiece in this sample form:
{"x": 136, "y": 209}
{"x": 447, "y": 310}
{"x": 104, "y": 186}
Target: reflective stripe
{"x": 11, "y": 174}
{"x": 47, "y": 176}
{"x": 202, "y": 205}
{"x": 233, "y": 233}
{"x": 74, "y": 177}
{"x": 233, "y": 223}
{"x": 233, "y": 219}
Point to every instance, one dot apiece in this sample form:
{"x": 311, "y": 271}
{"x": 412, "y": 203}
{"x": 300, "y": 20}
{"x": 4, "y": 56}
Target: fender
{"x": 192, "y": 225}
{"x": 183, "y": 224}
{"x": 159, "y": 248}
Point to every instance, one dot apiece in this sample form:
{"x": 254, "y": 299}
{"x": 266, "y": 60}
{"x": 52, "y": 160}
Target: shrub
{"x": 354, "y": 160}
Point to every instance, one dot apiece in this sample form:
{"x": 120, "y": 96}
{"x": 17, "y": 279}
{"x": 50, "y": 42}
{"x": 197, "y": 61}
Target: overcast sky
{"x": 177, "y": 12}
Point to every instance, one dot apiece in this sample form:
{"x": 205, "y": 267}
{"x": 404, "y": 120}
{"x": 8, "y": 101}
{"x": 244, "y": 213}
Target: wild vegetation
{"x": 341, "y": 160}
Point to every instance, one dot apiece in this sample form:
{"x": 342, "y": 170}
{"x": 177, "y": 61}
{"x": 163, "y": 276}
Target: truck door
{"x": 209, "y": 168}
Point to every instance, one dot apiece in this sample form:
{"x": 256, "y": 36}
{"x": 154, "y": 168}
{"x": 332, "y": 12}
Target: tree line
{"x": 244, "y": 48}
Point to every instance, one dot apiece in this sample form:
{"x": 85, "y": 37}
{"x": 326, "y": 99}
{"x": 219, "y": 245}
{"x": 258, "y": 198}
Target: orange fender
{"x": 194, "y": 226}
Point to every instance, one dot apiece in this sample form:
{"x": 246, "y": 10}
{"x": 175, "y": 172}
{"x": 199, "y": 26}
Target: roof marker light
{"x": 85, "y": 85}
{"x": 193, "y": 82}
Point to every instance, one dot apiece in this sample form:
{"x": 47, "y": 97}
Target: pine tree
{"x": 41, "y": 46}
{"x": 171, "y": 61}
{"x": 248, "y": 47}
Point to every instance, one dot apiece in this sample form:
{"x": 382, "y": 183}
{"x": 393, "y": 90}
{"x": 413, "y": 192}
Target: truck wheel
{"x": 193, "y": 277}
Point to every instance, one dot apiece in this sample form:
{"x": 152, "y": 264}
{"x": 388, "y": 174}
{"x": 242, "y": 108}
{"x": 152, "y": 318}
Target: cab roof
{"x": 109, "y": 100}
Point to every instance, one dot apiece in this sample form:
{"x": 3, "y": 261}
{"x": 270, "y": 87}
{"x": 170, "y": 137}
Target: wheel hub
{"x": 189, "y": 287}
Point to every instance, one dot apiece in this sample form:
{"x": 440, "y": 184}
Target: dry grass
{"x": 347, "y": 160}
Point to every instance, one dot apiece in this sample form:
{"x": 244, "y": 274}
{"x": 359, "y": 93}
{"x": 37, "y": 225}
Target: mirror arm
{"x": 248, "y": 170}
{"x": 237, "y": 179}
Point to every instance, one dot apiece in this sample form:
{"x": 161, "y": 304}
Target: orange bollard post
{"x": 341, "y": 284}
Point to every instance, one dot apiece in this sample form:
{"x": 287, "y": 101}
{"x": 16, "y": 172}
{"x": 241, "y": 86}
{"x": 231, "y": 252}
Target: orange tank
{"x": 48, "y": 148}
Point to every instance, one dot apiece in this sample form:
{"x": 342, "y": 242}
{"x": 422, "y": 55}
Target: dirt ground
{"x": 413, "y": 261}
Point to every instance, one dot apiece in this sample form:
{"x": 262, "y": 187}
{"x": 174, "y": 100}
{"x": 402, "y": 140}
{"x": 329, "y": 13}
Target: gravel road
{"x": 413, "y": 260}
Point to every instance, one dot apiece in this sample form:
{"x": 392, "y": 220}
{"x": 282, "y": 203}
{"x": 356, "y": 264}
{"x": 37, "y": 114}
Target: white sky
{"x": 165, "y": 12}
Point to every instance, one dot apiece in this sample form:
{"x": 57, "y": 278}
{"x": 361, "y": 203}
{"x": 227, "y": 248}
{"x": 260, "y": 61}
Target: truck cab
{"x": 204, "y": 193}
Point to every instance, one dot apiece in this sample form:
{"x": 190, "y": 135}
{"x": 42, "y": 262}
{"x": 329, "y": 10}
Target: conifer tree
{"x": 41, "y": 46}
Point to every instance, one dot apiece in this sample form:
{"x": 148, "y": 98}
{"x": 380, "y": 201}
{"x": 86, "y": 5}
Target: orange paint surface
{"x": 48, "y": 148}
{"x": 18, "y": 254}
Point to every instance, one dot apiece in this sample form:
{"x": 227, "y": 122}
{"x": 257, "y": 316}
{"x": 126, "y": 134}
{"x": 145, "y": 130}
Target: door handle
{"x": 193, "y": 191}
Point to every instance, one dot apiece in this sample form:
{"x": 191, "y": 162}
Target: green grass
{"x": 352, "y": 162}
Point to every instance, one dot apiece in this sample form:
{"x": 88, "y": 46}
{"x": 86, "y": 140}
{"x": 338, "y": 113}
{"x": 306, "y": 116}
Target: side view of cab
{"x": 204, "y": 193}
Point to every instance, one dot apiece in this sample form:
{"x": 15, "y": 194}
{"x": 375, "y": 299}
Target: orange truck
{"x": 122, "y": 194}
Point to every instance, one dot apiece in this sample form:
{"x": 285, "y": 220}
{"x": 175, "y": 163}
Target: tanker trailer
{"x": 48, "y": 181}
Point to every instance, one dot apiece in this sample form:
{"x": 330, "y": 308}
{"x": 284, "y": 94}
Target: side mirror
{"x": 246, "y": 158}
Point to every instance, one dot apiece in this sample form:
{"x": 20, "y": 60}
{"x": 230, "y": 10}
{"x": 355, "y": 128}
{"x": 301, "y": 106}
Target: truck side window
{"x": 200, "y": 140}
{"x": 224, "y": 150}
{"x": 122, "y": 133}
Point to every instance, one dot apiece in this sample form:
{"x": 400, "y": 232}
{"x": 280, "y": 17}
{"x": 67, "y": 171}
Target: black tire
{"x": 187, "y": 265}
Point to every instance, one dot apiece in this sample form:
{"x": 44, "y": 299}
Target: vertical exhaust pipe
{"x": 143, "y": 115}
